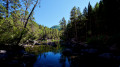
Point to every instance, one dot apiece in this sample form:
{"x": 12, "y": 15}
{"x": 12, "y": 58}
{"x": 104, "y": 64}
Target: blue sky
{"x": 52, "y": 11}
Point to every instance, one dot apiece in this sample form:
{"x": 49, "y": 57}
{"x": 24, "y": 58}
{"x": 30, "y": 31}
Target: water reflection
{"x": 51, "y": 59}
{"x": 48, "y": 56}
{"x": 65, "y": 61}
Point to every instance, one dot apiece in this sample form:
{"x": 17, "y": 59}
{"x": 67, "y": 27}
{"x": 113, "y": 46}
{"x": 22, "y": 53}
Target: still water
{"x": 51, "y": 59}
{"x": 47, "y": 56}
{"x": 59, "y": 56}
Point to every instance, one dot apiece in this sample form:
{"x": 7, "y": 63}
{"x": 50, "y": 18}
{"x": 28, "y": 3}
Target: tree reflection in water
{"x": 52, "y": 57}
{"x": 65, "y": 61}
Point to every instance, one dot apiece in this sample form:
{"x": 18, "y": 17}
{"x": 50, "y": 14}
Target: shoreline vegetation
{"x": 93, "y": 33}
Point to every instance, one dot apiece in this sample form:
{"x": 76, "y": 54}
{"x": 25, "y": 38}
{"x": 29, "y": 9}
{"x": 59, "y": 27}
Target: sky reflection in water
{"x": 51, "y": 59}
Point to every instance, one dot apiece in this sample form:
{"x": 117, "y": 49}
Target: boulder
{"x": 3, "y": 51}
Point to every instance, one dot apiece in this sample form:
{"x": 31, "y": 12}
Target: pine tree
{"x": 2, "y": 10}
{"x": 89, "y": 19}
{"x": 63, "y": 24}
{"x": 79, "y": 14}
{"x": 74, "y": 18}
{"x": 85, "y": 14}
{"x": 85, "y": 19}
{"x": 10, "y": 6}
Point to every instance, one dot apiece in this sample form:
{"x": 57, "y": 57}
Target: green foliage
{"x": 12, "y": 21}
{"x": 63, "y": 24}
{"x": 2, "y": 10}
{"x": 48, "y": 33}
{"x": 8, "y": 31}
{"x": 97, "y": 25}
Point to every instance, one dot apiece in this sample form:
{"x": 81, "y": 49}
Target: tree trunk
{"x": 26, "y": 23}
{"x": 75, "y": 31}
{"x": 86, "y": 30}
{"x": 7, "y": 7}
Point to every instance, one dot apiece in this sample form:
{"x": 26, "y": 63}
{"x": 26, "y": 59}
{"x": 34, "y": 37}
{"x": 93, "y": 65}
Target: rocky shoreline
{"x": 16, "y": 58}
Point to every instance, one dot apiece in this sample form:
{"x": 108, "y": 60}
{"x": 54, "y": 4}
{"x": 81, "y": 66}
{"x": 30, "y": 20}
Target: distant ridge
{"x": 56, "y": 27}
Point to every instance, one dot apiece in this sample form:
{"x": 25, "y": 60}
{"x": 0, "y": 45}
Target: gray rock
{"x": 3, "y": 51}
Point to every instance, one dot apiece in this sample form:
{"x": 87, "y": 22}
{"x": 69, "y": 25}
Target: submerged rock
{"x": 106, "y": 55}
{"x": 3, "y": 56}
{"x": 89, "y": 50}
{"x": 29, "y": 57}
{"x": 67, "y": 52}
